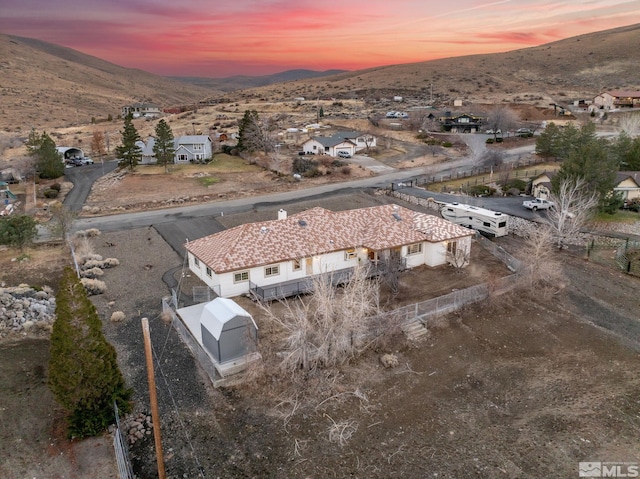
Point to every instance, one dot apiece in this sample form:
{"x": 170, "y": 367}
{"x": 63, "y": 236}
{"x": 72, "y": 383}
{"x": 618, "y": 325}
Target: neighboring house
{"x": 148, "y": 156}
{"x": 627, "y": 183}
{"x": 350, "y": 142}
{"x": 614, "y": 99}
{"x": 193, "y": 148}
{"x": 464, "y": 123}
{"x": 541, "y": 185}
{"x": 279, "y": 258}
{"x": 188, "y": 149}
{"x": 147, "y": 110}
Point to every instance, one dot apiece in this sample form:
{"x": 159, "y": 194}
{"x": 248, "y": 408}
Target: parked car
{"x": 74, "y": 162}
{"x": 344, "y": 154}
{"x": 493, "y": 132}
{"x": 538, "y": 204}
{"x": 524, "y": 133}
{"x": 86, "y": 161}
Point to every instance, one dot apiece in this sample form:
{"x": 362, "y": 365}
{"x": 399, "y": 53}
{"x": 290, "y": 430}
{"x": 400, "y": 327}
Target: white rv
{"x": 488, "y": 222}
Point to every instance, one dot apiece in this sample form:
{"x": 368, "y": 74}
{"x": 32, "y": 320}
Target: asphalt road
{"x": 82, "y": 178}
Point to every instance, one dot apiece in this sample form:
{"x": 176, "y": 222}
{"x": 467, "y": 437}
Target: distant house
{"x": 463, "y": 123}
{"x": 614, "y": 99}
{"x": 281, "y": 257}
{"x": 138, "y": 110}
{"x": 350, "y": 142}
{"x": 627, "y": 183}
{"x": 188, "y": 149}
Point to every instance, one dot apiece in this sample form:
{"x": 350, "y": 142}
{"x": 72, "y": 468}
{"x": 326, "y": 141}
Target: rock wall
{"x": 24, "y": 309}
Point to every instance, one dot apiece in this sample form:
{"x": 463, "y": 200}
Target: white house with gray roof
{"x": 350, "y": 142}
{"x": 279, "y": 258}
{"x": 188, "y": 149}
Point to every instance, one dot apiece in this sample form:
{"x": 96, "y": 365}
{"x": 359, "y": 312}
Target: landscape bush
{"x": 481, "y": 190}
{"x": 117, "y": 317}
{"x": 91, "y": 273}
{"x": 51, "y": 193}
{"x": 93, "y": 286}
{"x": 515, "y": 183}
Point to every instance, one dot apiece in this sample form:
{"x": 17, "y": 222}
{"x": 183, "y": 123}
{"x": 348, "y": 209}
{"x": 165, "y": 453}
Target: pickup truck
{"x": 538, "y": 204}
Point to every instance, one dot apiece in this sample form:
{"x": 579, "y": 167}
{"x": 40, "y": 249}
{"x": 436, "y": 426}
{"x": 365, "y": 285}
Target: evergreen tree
{"x": 547, "y": 140}
{"x": 591, "y": 162}
{"x": 128, "y": 152}
{"x": 17, "y": 230}
{"x": 626, "y": 151}
{"x": 246, "y": 130}
{"x": 163, "y": 146}
{"x": 83, "y": 372}
{"x": 48, "y": 161}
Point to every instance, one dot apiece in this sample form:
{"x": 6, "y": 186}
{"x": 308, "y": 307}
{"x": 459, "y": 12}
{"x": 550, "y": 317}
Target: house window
{"x": 350, "y": 254}
{"x": 240, "y": 276}
{"x": 197, "y": 147}
{"x": 196, "y": 261}
{"x": 272, "y": 271}
{"x": 502, "y": 224}
{"x": 209, "y": 272}
{"x": 183, "y": 158}
{"x": 297, "y": 265}
{"x": 414, "y": 248}
{"x": 452, "y": 247}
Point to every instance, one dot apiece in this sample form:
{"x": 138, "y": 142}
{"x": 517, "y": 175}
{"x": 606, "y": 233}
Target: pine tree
{"x": 83, "y": 372}
{"x": 17, "y": 230}
{"x": 163, "y": 146}
{"x": 129, "y": 153}
{"x": 48, "y": 161}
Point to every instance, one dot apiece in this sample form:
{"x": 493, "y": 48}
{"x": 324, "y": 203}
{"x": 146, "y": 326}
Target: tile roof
{"x": 319, "y": 231}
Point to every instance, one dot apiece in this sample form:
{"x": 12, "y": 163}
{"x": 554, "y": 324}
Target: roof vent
{"x": 302, "y": 222}
{"x": 397, "y": 216}
{"x": 263, "y": 229}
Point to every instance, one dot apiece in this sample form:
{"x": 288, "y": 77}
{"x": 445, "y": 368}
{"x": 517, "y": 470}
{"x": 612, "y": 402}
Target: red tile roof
{"x": 319, "y": 231}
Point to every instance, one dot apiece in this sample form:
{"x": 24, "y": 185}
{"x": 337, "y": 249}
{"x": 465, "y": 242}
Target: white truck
{"x": 538, "y": 204}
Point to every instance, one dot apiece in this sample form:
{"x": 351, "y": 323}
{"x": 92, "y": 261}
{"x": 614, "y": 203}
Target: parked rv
{"x": 487, "y": 222}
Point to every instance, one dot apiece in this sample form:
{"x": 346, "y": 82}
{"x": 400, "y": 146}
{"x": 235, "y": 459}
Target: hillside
{"x": 240, "y": 82}
{"x": 51, "y": 87}
{"x": 578, "y": 67}
{"x": 47, "y": 86}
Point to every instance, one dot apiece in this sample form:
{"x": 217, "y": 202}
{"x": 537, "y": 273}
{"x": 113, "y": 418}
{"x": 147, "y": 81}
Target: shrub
{"x": 51, "y": 193}
{"x": 389, "y": 360}
{"x": 93, "y": 286}
{"x": 117, "y": 317}
{"x": 302, "y": 165}
{"x": 447, "y": 144}
{"x": 91, "y": 273}
{"x": 55, "y": 186}
{"x": 346, "y": 170}
{"x": 489, "y": 141}
{"x": 90, "y": 233}
{"x": 481, "y": 190}
{"x": 515, "y": 183}
{"x": 110, "y": 263}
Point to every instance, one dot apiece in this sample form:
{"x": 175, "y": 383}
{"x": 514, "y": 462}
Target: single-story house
{"x": 280, "y": 257}
{"x": 137, "y": 110}
{"x": 350, "y": 142}
{"x": 614, "y": 99}
{"x": 627, "y": 183}
{"x": 188, "y": 149}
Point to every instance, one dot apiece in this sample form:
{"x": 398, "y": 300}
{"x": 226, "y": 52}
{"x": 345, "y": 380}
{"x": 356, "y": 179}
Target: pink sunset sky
{"x": 257, "y": 37}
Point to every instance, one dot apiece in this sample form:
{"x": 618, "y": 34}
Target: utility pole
{"x": 153, "y": 398}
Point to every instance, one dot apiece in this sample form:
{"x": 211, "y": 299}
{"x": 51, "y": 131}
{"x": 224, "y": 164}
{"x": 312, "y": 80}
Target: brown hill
{"x": 574, "y": 68}
{"x": 47, "y": 86}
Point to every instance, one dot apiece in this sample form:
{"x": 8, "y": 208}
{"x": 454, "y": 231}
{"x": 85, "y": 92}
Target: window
{"x": 197, "y": 147}
{"x": 452, "y": 247}
{"x": 196, "y": 261}
{"x": 486, "y": 224}
{"x": 349, "y": 254}
{"x": 272, "y": 271}
{"x": 502, "y": 224}
{"x": 209, "y": 272}
{"x": 241, "y": 276}
{"x": 297, "y": 265}
{"x": 414, "y": 248}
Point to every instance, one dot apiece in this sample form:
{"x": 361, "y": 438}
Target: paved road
{"x": 82, "y": 178}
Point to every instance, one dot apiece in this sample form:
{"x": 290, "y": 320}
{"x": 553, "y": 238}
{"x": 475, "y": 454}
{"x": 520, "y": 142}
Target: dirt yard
{"x": 517, "y": 387}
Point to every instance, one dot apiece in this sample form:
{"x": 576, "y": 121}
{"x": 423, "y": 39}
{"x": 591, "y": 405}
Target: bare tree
{"x": 62, "y": 218}
{"x": 459, "y": 258}
{"x": 393, "y": 266}
{"x": 630, "y": 124}
{"x": 575, "y": 205}
{"x": 542, "y": 268}
{"x": 501, "y": 118}
{"x": 327, "y": 327}
{"x": 98, "y": 145}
